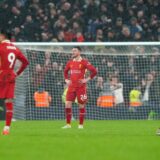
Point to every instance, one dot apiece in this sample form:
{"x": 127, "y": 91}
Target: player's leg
{"x": 9, "y": 115}
{"x": 68, "y": 113}
{"x": 82, "y": 99}
{"x": 70, "y": 97}
{"x": 82, "y": 111}
{"x": 8, "y": 95}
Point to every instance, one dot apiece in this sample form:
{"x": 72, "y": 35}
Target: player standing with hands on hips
{"x": 8, "y": 56}
{"x": 74, "y": 74}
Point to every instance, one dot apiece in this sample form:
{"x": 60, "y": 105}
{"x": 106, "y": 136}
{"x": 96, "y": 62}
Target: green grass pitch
{"x": 99, "y": 140}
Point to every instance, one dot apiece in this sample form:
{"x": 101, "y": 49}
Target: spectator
{"x": 17, "y": 34}
{"x": 134, "y": 26}
{"x": 99, "y": 35}
{"x": 117, "y": 91}
{"x": 29, "y": 29}
{"x": 44, "y": 37}
{"x": 47, "y": 61}
{"x": 68, "y": 35}
{"x": 42, "y": 98}
{"x": 125, "y": 34}
{"x": 111, "y": 36}
{"x": 91, "y": 11}
{"x": 155, "y": 60}
{"x": 76, "y": 28}
{"x": 138, "y": 37}
{"x": 38, "y": 76}
{"x": 141, "y": 60}
{"x": 129, "y": 81}
{"x": 151, "y": 89}
{"x": 111, "y": 68}
{"x": 67, "y": 10}
{"x": 135, "y": 97}
{"x": 16, "y": 17}
{"x": 118, "y": 26}
{"x": 79, "y": 37}
{"x": 60, "y": 36}
{"x": 61, "y": 23}
{"x": 99, "y": 84}
{"x": 145, "y": 87}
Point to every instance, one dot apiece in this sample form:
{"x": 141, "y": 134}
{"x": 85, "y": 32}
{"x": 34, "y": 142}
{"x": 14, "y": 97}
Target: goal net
{"x": 127, "y": 85}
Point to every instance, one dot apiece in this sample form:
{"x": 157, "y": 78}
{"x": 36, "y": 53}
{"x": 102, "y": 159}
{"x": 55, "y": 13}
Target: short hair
{"x": 6, "y": 33}
{"x": 113, "y": 76}
{"x": 79, "y": 48}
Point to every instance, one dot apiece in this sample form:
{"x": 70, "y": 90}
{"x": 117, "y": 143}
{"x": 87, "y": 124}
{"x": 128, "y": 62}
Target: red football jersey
{"x": 8, "y": 56}
{"x": 77, "y": 70}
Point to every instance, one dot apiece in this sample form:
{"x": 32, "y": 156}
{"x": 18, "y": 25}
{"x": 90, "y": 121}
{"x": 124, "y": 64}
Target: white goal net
{"x": 127, "y": 85}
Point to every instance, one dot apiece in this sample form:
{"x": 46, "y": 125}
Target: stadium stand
{"x": 81, "y": 20}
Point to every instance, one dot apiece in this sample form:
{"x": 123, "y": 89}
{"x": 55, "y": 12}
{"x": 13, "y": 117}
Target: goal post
{"x": 127, "y": 85}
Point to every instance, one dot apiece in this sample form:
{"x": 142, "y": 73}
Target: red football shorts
{"x": 79, "y": 93}
{"x": 7, "y": 90}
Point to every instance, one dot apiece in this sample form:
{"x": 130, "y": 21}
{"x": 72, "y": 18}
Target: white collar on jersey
{"x": 78, "y": 60}
{"x": 6, "y": 41}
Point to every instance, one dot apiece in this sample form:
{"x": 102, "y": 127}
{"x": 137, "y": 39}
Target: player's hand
{"x": 68, "y": 82}
{"x": 16, "y": 74}
{"x": 85, "y": 80}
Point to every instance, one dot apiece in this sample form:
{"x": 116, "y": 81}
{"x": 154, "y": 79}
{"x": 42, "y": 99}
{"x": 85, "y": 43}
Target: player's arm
{"x": 66, "y": 70}
{"x": 24, "y": 62}
{"x": 0, "y": 56}
{"x": 92, "y": 69}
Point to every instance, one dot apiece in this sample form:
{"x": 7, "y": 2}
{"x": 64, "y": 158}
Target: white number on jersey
{"x": 83, "y": 97}
{"x": 11, "y": 59}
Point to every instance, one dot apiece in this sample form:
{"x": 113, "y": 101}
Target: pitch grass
{"x": 100, "y": 140}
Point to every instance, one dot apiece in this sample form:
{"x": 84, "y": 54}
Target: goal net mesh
{"x": 127, "y": 85}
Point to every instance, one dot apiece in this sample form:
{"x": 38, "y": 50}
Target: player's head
{"x": 76, "y": 51}
{"x": 4, "y": 34}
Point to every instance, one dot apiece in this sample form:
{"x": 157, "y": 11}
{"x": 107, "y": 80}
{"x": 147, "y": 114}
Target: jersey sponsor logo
{"x": 75, "y": 71}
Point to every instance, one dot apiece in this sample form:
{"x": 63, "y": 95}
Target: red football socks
{"x": 9, "y": 113}
{"x": 68, "y": 115}
{"x": 81, "y": 115}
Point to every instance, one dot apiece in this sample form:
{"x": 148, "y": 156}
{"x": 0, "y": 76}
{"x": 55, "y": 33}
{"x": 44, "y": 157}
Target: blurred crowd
{"x": 81, "y": 20}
